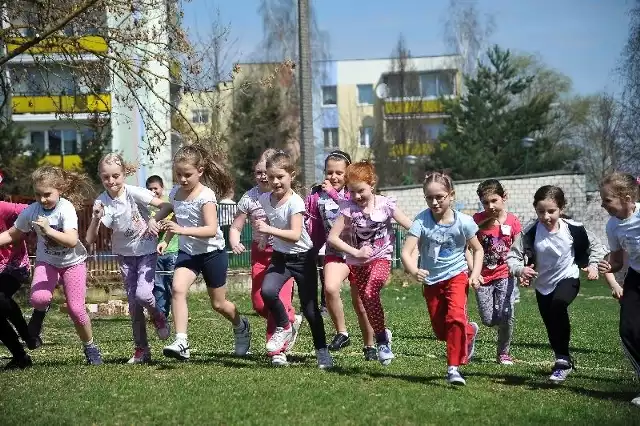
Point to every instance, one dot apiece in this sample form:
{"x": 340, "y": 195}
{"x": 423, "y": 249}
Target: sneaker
{"x": 455, "y": 378}
{"x": 140, "y": 356}
{"x": 385, "y": 356}
{"x": 636, "y": 401}
{"x": 325, "y": 361}
{"x": 162, "y": 325}
{"x": 19, "y": 363}
{"x": 504, "y": 359}
{"x": 92, "y": 354}
{"x": 279, "y": 340}
{"x": 370, "y": 353}
{"x": 295, "y": 328}
{"x": 242, "y": 338}
{"x": 340, "y": 340}
{"x": 34, "y": 343}
{"x": 279, "y": 360}
{"x": 471, "y": 346}
{"x": 561, "y": 371}
{"x": 178, "y": 350}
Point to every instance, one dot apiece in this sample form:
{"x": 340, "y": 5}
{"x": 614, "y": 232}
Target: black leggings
{"x": 10, "y": 313}
{"x": 630, "y": 318}
{"x": 302, "y": 267}
{"x": 554, "y": 310}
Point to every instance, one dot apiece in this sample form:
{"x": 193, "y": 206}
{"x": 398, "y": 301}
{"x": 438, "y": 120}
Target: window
{"x": 432, "y": 131}
{"x": 446, "y": 84}
{"x": 366, "y": 136}
{"x": 199, "y": 116}
{"x": 37, "y": 141}
{"x": 425, "y": 84}
{"x": 429, "y": 85}
{"x": 329, "y": 95}
{"x": 70, "y": 142}
{"x": 331, "y": 137}
{"x": 55, "y": 142}
{"x": 365, "y": 94}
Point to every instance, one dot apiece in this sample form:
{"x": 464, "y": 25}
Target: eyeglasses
{"x": 438, "y": 198}
{"x": 260, "y": 173}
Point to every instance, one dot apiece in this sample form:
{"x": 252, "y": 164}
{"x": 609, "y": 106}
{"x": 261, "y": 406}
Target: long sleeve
{"x": 597, "y": 250}
{"x": 515, "y": 257}
{"x": 313, "y": 221}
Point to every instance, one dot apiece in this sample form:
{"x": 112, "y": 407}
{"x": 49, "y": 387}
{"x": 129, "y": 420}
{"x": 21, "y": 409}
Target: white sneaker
{"x": 178, "y": 350}
{"x": 295, "y": 328}
{"x": 389, "y": 336}
{"x": 325, "y": 361}
{"x": 140, "y": 356}
{"x": 455, "y": 378}
{"x": 280, "y": 339}
{"x": 636, "y": 401}
{"x": 471, "y": 346}
{"x": 561, "y": 371}
{"x": 242, "y": 337}
{"x": 279, "y": 360}
{"x": 385, "y": 356}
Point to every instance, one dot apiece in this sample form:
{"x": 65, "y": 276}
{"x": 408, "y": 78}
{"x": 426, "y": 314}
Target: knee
{"x": 40, "y": 299}
{"x": 268, "y": 294}
{"x": 78, "y": 314}
{"x": 144, "y": 296}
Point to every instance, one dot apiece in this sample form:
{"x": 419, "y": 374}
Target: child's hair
{"x": 268, "y": 153}
{"x": 438, "y": 177}
{"x": 490, "y": 187}
{"x": 550, "y": 192}
{"x": 282, "y": 160}
{"x": 623, "y": 184}
{"x": 75, "y": 187}
{"x": 214, "y": 175}
{"x": 337, "y": 155}
{"x": 128, "y": 169}
{"x": 362, "y": 171}
{"x": 155, "y": 179}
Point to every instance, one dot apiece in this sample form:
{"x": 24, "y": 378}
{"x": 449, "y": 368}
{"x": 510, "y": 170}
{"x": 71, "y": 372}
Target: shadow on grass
{"x": 547, "y": 347}
{"x": 355, "y": 371}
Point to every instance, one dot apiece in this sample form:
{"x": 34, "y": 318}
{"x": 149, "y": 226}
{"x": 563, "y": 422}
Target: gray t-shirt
{"x": 280, "y": 217}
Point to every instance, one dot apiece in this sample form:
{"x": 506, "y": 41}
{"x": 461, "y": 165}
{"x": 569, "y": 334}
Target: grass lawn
{"x": 215, "y": 387}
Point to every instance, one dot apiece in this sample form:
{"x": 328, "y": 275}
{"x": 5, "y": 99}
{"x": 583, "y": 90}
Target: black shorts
{"x": 213, "y": 266}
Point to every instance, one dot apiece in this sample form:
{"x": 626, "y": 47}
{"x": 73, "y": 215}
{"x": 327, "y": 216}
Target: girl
{"x": 201, "y": 244}
{"x": 556, "y": 249}
{"x": 367, "y": 219}
{"x": 125, "y": 210}
{"x": 495, "y": 296}
{"x": 620, "y": 193}
{"x": 59, "y": 252}
{"x": 292, "y": 257}
{"x": 261, "y": 251}
{"x": 442, "y": 236}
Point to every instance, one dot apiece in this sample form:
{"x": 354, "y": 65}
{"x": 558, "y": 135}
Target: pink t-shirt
{"x": 250, "y": 206}
{"x": 14, "y": 259}
{"x": 496, "y": 241}
{"x": 372, "y": 229}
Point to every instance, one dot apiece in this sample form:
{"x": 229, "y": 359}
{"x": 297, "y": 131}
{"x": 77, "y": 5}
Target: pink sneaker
{"x": 162, "y": 326}
{"x": 140, "y": 356}
{"x": 504, "y": 359}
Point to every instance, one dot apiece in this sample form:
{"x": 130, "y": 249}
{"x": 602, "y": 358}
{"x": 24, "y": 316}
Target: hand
{"x": 617, "y": 291}
{"x": 262, "y": 226}
{"x": 604, "y": 267}
{"x": 326, "y": 185}
{"x": 364, "y": 253}
{"x": 475, "y": 282}
{"x": 528, "y": 273}
{"x": 420, "y": 274}
{"x": 153, "y": 226}
{"x": 162, "y": 246}
{"x": 42, "y": 225}
{"x": 525, "y": 282}
{"x": 592, "y": 271}
{"x": 171, "y": 226}
{"x": 238, "y": 248}
{"x": 98, "y": 210}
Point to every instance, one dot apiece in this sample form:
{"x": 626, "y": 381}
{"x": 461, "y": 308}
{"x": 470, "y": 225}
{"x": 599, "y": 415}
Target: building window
{"x": 37, "y": 142}
{"x": 329, "y": 95}
{"x": 199, "y": 116}
{"x": 365, "y": 94}
{"x": 55, "y": 142}
{"x": 425, "y": 84}
{"x": 366, "y": 136}
{"x": 331, "y": 137}
{"x": 432, "y": 131}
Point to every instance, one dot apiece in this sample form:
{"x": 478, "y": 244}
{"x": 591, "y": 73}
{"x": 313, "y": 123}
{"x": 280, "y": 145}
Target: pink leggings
{"x": 369, "y": 280}
{"x": 74, "y": 279}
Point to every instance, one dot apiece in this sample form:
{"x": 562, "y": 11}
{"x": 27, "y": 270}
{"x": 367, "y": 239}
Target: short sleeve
{"x": 172, "y": 194}
{"x": 296, "y": 205}
{"x": 141, "y": 195}
{"x": 391, "y": 205}
{"x": 245, "y": 203}
{"x": 469, "y": 226}
{"x": 23, "y": 221}
{"x": 345, "y": 208}
{"x": 69, "y": 217}
{"x": 516, "y": 226}
{"x": 612, "y": 239}
{"x": 477, "y": 217}
{"x": 416, "y": 226}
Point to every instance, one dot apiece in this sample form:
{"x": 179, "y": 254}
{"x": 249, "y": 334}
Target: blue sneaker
{"x": 385, "y": 356}
{"x": 92, "y": 354}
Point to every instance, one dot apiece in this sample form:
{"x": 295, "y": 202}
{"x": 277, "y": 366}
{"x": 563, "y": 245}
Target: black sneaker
{"x": 370, "y": 353}
{"x": 34, "y": 343}
{"x": 339, "y": 341}
{"x": 19, "y": 363}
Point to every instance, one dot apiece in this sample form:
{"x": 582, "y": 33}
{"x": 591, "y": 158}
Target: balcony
{"x": 420, "y": 149}
{"x": 412, "y": 107}
{"x": 72, "y": 161}
{"x": 84, "y": 44}
{"x": 62, "y": 104}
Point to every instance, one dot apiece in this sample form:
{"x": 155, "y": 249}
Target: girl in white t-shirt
{"x": 59, "y": 252}
{"x": 202, "y": 246}
{"x": 292, "y": 257}
{"x": 125, "y": 210}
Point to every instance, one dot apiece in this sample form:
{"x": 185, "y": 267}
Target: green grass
{"x": 218, "y": 388}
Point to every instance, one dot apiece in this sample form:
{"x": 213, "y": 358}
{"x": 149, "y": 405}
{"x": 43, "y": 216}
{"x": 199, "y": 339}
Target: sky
{"x": 580, "y": 38}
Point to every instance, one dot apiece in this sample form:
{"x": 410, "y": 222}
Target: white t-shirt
{"x": 625, "y": 234}
{"x": 127, "y": 215}
{"x": 61, "y": 218}
{"x": 189, "y": 214}
{"x": 280, "y": 218}
{"x": 554, "y": 257}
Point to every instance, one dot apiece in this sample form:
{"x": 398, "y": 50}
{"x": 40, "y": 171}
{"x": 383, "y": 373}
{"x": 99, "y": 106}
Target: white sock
{"x": 344, "y": 332}
{"x": 452, "y": 369}
{"x": 181, "y": 336}
{"x": 89, "y": 343}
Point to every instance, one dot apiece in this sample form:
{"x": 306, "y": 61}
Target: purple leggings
{"x": 138, "y": 274}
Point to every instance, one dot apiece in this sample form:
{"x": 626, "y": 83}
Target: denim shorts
{"x": 213, "y": 266}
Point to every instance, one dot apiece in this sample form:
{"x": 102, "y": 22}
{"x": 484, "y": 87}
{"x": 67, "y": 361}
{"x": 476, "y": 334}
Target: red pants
{"x": 447, "y": 305}
{"x": 369, "y": 279}
{"x": 259, "y": 263}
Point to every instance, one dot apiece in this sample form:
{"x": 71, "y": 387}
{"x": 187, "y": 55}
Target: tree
{"x": 486, "y": 126}
{"x": 16, "y": 162}
{"x": 94, "y": 147}
{"x": 630, "y": 71}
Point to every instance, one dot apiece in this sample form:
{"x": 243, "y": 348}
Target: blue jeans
{"x": 164, "y": 281}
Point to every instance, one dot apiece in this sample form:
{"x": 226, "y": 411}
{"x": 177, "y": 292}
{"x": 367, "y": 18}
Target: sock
{"x": 87, "y": 344}
{"x": 181, "y": 336}
{"x": 35, "y": 323}
{"x": 344, "y": 333}
{"x": 452, "y": 369}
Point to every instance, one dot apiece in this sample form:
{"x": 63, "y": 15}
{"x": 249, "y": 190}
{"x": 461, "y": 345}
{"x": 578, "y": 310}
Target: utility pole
{"x": 307, "y": 146}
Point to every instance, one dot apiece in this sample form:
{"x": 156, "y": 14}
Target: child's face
{"x": 548, "y": 213}
{"x": 279, "y": 180}
{"x": 112, "y": 177}
{"x": 438, "y": 198}
{"x": 156, "y": 188}
{"x": 187, "y": 175}
{"x": 361, "y": 192}
{"x": 493, "y": 204}
{"x": 335, "y": 172}
{"x": 48, "y": 196}
{"x": 260, "y": 173}
{"x": 614, "y": 205}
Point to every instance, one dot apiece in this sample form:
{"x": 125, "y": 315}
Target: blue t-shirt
{"x": 442, "y": 246}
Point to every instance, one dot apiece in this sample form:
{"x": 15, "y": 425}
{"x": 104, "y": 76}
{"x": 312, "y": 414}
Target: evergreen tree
{"x": 17, "y": 161}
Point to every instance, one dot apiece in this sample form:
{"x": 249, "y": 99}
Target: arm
{"x": 292, "y": 235}
{"x": 313, "y": 221}
{"x": 160, "y": 204}
{"x": 408, "y": 255}
{"x": 92, "y": 230}
{"x": 210, "y": 228}
{"x": 67, "y": 238}
{"x": 612, "y": 262}
{"x": 10, "y": 236}
{"x": 335, "y": 240}
{"x": 597, "y": 251}
{"x": 469, "y": 258}
{"x": 235, "y": 232}
{"x": 165, "y": 210}
{"x": 402, "y": 219}
{"x": 478, "y": 257}
{"x": 515, "y": 257}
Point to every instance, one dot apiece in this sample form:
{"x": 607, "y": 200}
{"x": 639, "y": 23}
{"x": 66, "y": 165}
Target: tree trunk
{"x": 307, "y": 148}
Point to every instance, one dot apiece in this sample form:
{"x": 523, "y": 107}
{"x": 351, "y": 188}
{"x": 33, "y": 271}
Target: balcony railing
{"x": 63, "y": 104}
{"x": 88, "y": 44}
{"x": 67, "y": 161}
{"x": 412, "y": 107}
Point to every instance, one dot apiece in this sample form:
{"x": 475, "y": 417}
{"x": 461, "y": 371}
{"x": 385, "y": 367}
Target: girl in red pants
{"x": 366, "y": 218}
{"x": 261, "y": 250}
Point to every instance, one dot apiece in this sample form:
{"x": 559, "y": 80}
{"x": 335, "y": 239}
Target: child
{"x": 556, "y": 249}
{"x": 442, "y": 236}
{"x": 495, "y": 297}
{"x": 125, "y": 210}
{"x": 14, "y": 270}
{"x": 261, "y": 251}
{"x": 201, "y": 244}
{"x": 620, "y": 193}
{"x": 292, "y": 257}
{"x": 166, "y": 262}
{"x": 366, "y": 217}
{"x": 59, "y": 252}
